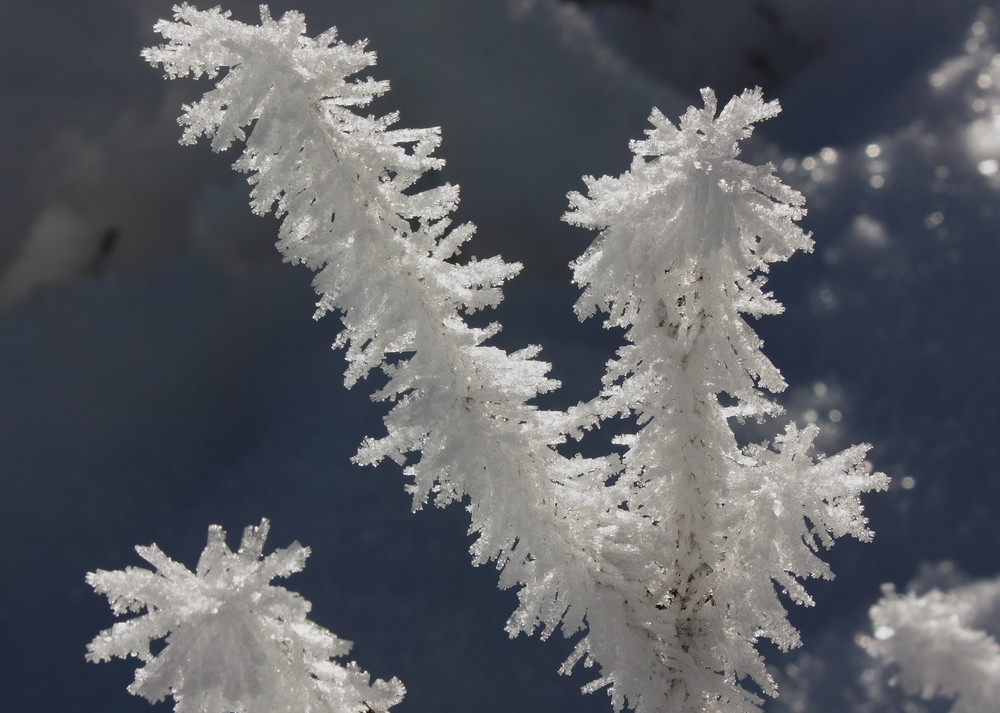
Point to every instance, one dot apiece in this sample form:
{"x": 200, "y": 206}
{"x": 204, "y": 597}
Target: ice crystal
{"x": 234, "y": 641}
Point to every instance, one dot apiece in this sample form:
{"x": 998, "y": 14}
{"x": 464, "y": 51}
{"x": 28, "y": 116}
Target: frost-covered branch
{"x": 234, "y": 641}
{"x": 685, "y": 237}
{"x": 669, "y": 564}
{"x": 462, "y": 423}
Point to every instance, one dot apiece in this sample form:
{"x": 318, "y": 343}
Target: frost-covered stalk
{"x": 669, "y": 565}
{"x": 938, "y": 643}
{"x": 685, "y": 235}
{"x": 345, "y": 185}
{"x": 234, "y": 641}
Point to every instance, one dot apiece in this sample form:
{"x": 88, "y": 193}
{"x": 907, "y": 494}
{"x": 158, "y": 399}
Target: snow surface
{"x": 175, "y": 379}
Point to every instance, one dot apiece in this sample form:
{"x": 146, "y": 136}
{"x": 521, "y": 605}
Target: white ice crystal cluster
{"x": 234, "y": 641}
{"x": 667, "y": 559}
{"x": 938, "y": 644}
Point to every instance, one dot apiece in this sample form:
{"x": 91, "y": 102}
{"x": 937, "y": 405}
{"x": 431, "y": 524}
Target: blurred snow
{"x": 935, "y": 642}
{"x": 171, "y": 377}
{"x": 60, "y": 247}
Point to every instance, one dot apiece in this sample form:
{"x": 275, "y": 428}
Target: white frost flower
{"x": 234, "y": 642}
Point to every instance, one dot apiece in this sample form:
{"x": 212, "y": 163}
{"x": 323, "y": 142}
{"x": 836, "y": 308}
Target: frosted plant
{"x": 667, "y": 565}
{"x": 685, "y": 236}
{"x": 234, "y": 641}
{"x": 937, "y": 644}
